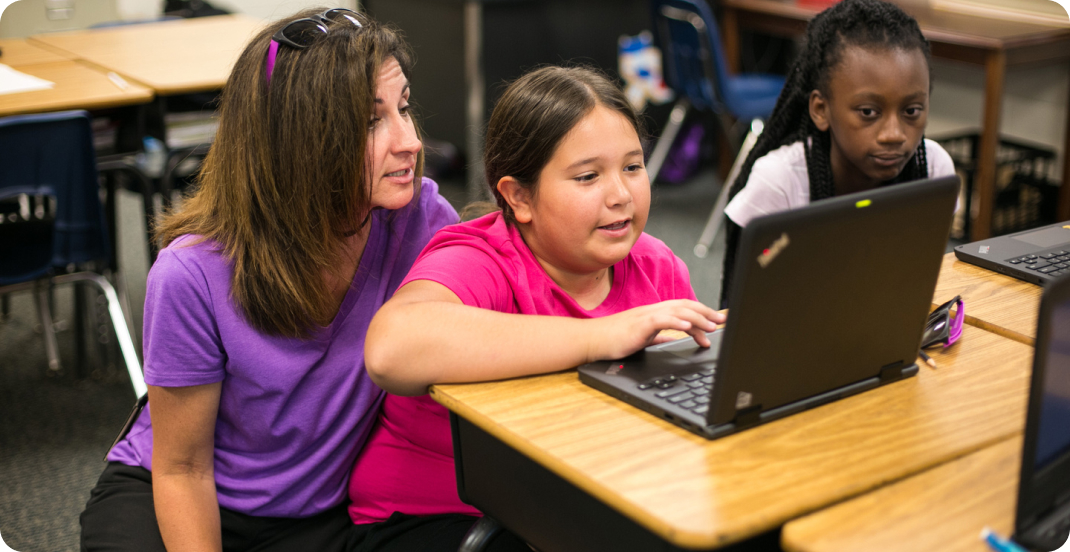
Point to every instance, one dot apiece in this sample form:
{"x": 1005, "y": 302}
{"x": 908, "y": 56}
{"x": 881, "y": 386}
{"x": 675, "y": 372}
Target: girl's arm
{"x": 183, "y": 473}
{"x": 426, "y": 335}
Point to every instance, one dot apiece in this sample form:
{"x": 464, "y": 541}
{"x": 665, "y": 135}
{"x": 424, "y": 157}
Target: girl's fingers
{"x": 701, "y": 338}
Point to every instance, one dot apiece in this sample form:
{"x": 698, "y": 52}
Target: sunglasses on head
{"x": 943, "y": 327}
{"x": 301, "y": 33}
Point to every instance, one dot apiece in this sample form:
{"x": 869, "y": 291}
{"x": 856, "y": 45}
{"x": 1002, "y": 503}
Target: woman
{"x": 309, "y": 211}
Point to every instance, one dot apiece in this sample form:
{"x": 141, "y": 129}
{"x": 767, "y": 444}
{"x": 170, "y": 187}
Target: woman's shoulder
{"x": 428, "y": 202}
{"x": 191, "y": 257}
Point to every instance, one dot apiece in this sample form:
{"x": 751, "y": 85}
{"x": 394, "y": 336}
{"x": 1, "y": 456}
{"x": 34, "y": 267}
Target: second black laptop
{"x": 829, "y": 300}
{"x": 1038, "y": 256}
{"x": 1042, "y": 516}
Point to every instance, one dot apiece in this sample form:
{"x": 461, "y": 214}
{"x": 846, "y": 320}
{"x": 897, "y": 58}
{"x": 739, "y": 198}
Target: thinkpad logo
{"x": 983, "y": 249}
{"x": 773, "y": 250}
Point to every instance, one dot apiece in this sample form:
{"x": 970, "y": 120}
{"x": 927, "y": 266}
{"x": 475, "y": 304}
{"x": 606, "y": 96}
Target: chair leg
{"x": 128, "y": 312}
{"x": 480, "y": 535}
{"x": 668, "y": 135}
{"x": 44, "y": 311}
{"x": 118, "y": 319}
{"x": 713, "y": 224}
{"x": 81, "y": 356}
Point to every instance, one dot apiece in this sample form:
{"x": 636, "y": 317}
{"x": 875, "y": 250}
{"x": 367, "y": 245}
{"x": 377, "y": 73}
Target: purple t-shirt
{"x": 293, "y": 413}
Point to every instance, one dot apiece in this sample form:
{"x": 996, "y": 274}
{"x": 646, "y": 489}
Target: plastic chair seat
{"x": 751, "y": 96}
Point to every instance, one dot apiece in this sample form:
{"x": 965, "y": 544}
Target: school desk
{"x": 77, "y": 85}
{"x": 171, "y": 57}
{"x": 942, "y": 509}
{"x": 567, "y": 467}
{"x": 995, "y": 302}
{"x": 15, "y": 52}
{"x": 994, "y": 44}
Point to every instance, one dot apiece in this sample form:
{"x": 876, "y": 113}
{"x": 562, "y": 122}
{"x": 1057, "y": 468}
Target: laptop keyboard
{"x": 1053, "y": 263}
{"x": 689, "y": 390}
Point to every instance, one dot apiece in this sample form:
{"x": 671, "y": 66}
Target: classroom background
{"x": 56, "y": 428}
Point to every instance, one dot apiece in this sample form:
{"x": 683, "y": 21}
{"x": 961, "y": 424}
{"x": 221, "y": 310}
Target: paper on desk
{"x": 12, "y": 81}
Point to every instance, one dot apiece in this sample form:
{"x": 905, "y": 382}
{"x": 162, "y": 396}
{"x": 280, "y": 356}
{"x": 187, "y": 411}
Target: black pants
{"x": 443, "y": 533}
{"x": 121, "y": 517}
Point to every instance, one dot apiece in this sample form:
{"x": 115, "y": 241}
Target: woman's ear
{"x": 517, "y": 197}
{"x": 819, "y": 108}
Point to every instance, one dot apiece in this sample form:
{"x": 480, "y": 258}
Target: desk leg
{"x": 730, "y": 34}
{"x": 985, "y": 179}
{"x": 473, "y": 78}
{"x": 1063, "y": 212}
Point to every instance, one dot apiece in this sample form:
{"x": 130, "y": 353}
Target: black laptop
{"x": 829, "y": 300}
{"x": 1042, "y": 519}
{"x": 1037, "y": 256}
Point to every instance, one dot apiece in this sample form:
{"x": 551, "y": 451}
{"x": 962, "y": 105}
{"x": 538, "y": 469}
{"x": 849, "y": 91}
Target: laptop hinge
{"x": 747, "y": 417}
{"x": 893, "y": 371}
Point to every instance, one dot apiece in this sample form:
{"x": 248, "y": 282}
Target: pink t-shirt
{"x": 407, "y": 464}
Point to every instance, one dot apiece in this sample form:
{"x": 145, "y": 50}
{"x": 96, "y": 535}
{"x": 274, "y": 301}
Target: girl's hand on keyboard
{"x": 626, "y": 332}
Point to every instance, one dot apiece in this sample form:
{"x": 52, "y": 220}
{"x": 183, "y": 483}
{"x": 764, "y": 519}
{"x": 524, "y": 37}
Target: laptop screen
{"x": 1053, "y": 435}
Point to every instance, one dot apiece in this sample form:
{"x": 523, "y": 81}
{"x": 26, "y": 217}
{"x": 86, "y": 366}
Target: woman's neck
{"x": 339, "y": 279}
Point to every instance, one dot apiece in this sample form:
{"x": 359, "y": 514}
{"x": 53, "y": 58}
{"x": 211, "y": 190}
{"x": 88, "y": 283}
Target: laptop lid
{"x": 1044, "y": 484}
{"x": 830, "y": 295}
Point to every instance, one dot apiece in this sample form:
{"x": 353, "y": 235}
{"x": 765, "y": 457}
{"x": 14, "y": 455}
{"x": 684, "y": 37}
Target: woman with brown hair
{"x": 309, "y": 211}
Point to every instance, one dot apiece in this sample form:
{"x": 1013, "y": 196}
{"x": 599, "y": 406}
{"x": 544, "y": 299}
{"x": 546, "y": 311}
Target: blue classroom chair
{"x": 53, "y": 222}
{"x": 695, "y": 67}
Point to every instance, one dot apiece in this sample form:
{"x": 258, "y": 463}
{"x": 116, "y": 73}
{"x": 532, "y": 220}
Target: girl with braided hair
{"x": 851, "y": 117}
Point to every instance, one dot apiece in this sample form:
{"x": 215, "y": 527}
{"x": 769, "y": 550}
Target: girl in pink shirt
{"x": 564, "y": 262}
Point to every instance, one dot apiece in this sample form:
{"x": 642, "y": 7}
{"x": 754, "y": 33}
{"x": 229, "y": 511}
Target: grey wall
{"x": 517, "y": 35}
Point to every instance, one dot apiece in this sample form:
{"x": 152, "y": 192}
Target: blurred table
{"x": 171, "y": 57}
{"x": 942, "y": 509}
{"x": 994, "y": 44}
{"x": 77, "y": 85}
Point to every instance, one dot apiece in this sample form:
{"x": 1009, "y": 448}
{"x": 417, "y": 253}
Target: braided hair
{"x": 866, "y": 23}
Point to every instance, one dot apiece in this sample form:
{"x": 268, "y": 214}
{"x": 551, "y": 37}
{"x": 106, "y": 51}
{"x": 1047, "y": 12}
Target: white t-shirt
{"x": 779, "y": 181}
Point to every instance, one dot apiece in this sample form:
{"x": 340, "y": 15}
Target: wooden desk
{"x": 15, "y": 52}
{"x": 595, "y": 473}
{"x": 942, "y": 509}
{"x": 998, "y": 303}
{"x": 171, "y": 57}
{"x": 994, "y": 44}
{"x": 77, "y": 85}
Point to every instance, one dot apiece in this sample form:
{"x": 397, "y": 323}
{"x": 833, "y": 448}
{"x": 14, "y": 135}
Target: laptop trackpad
{"x": 1045, "y": 238}
{"x": 687, "y": 348}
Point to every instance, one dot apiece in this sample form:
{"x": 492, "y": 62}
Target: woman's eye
{"x": 374, "y": 122}
{"x": 405, "y": 110}
{"x": 586, "y": 177}
{"x": 633, "y": 167}
{"x": 867, "y": 112}
{"x": 913, "y": 111}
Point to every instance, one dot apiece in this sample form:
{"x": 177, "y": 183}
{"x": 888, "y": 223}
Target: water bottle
{"x": 152, "y": 160}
